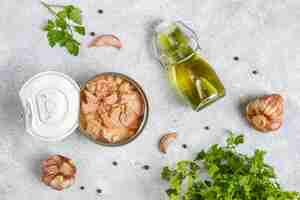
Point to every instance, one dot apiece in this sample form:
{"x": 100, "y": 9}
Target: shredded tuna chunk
{"x": 115, "y": 134}
{"x": 90, "y": 97}
{"x": 134, "y": 102}
{"x": 89, "y": 107}
{"x": 112, "y": 109}
{"x": 112, "y": 99}
{"x": 91, "y": 87}
{"x": 126, "y": 87}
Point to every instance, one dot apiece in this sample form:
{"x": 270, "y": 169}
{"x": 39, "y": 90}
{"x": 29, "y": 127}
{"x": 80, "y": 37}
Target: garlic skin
{"x": 265, "y": 113}
{"x": 58, "y": 172}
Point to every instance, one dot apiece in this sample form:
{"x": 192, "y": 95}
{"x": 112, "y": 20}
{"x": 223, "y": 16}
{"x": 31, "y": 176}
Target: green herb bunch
{"x": 231, "y": 176}
{"x": 62, "y": 29}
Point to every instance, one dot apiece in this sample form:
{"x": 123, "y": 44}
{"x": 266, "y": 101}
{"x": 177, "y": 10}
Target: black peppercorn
{"x": 99, "y": 191}
{"x": 206, "y": 127}
{"x": 115, "y": 163}
{"x": 254, "y": 72}
{"x": 82, "y": 187}
{"x": 92, "y": 33}
{"x": 236, "y": 58}
{"x": 146, "y": 167}
{"x": 100, "y": 11}
{"x": 184, "y": 146}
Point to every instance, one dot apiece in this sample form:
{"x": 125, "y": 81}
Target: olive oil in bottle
{"x": 191, "y": 76}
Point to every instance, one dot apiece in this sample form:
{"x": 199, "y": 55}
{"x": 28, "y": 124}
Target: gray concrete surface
{"x": 265, "y": 35}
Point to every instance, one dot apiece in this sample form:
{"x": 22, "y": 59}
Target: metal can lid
{"x": 51, "y": 104}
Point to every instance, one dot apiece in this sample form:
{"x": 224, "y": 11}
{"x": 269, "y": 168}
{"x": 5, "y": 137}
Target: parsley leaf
{"x": 61, "y": 23}
{"x": 72, "y": 47}
{"x": 54, "y": 36}
{"x": 232, "y": 141}
{"x": 80, "y": 30}
{"x": 231, "y": 176}
{"x": 166, "y": 173}
{"x": 62, "y": 14}
{"x": 50, "y": 26}
{"x": 62, "y": 30}
{"x": 75, "y": 15}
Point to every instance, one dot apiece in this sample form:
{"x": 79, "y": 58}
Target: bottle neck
{"x": 174, "y": 45}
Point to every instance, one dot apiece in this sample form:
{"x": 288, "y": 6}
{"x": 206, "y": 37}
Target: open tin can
{"x": 52, "y": 104}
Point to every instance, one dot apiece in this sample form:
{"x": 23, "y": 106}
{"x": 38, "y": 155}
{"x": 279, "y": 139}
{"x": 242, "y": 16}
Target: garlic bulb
{"x": 266, "y": 113}
{"x": 58, "y": 172}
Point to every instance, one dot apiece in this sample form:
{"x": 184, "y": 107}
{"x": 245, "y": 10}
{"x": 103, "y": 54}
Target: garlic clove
{"x": 165, "y": 141}
{"x": 67, "y": 169}
{"x": 47, "y": 179}
{"x": 57, "y": 183}
{"x": 52, "y": 169}
{"x": 52, "y": 160}
{"x": 67, "y": 183}
{"x": 260, "y": 122}
{"x": 106, "y": 40}
{"x": 275, "y": 126}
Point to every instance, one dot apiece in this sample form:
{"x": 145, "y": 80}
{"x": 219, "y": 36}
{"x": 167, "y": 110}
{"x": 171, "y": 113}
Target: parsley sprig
{"x": 62, "y": 29}
{"x": 231, "y": 176}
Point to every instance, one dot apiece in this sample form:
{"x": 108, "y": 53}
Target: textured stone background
{"x": 265, "y": 35}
